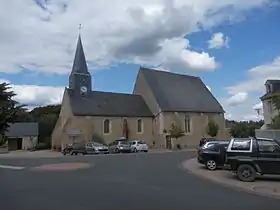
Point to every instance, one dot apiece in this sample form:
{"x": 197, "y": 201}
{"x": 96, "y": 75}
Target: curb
{"x": 183, "y": 166}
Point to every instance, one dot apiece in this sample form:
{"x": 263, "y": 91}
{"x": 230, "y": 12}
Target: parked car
{"x": 120, "y": 146}
{"x": 211, "y": 143}
{"x": 204, "y": 140}
{"x": 96, "y": 148}
{"x": 139, "y": 146}
{"x": 213, "y": 156}
{"x": 74, "y": 149}
{"x": 249, "y": 157}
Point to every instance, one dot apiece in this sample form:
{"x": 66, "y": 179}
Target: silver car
{"x": 96, "y": 148}
{"x": 120, "y": 146}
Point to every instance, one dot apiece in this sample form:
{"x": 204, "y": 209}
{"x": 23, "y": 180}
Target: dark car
{"x": 74, "y": 149}
{"x": 204, "y": 140}
{"x": 120, "y": 146}
{"x": 248, "y": 157}
{"x": 213, "y": 156}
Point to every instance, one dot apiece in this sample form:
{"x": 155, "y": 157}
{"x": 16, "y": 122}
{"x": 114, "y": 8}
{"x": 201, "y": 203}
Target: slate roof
{"x": 99, "y": 103}
{"x": 272, "y": 81}
{"x": 80, "y": 64}
{"x": 22, "y": 129}
{"x": 180, "y": 93}
{"x": 275, "y": 89}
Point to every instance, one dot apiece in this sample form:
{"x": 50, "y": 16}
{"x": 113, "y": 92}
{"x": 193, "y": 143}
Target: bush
{"x": 212, "y": 128}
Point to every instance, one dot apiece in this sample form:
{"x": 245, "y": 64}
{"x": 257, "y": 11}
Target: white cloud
{"x": 142, "y": 32}
{"x": 243, "y": 112}
{"x": 237, "y": 98}
{"x": 253, "y": 85}
{"x": 257, "y": 77}
{"x": 258, "y": 106}
{"x": 34, "y": 95}
{"x": 218, "y": 41}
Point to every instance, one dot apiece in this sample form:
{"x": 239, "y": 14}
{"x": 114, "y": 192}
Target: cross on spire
{"x": 80, "y": 27}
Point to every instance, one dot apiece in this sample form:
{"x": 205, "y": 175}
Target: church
{"x": 159, "y": 99}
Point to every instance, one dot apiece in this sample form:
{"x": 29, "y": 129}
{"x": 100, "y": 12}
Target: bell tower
{"x": 80, "y": 78}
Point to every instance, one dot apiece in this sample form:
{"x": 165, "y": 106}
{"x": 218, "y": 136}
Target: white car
{"x": 139, "y": 146}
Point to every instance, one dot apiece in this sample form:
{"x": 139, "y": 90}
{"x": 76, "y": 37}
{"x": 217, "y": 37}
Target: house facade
{"x": 269, "y": 112}
{"x": 159, "y": 99}
{"x": 22, "y": 136}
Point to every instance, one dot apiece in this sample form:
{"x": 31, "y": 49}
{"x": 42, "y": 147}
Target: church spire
{"x": 80, "y": 78}
{"x": 80, "y": 64}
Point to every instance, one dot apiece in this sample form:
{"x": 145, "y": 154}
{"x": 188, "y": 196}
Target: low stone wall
{"x": 4, "y": 150}
{"x": 274, "y": 134}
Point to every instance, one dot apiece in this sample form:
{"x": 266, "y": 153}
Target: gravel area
{"x": 264, "y": 185}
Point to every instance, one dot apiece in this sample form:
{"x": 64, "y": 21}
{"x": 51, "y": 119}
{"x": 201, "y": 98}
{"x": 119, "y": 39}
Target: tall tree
{"x": 8, "y": 108}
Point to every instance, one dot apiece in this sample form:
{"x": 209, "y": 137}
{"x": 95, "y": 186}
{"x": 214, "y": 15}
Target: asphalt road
{"x": 125, "y": 182}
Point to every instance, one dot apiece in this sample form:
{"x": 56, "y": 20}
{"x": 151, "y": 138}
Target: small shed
{"x": 22, "y": 136}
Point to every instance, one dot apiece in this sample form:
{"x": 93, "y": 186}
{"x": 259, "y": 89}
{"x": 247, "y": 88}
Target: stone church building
{"x": 159, "y": 99}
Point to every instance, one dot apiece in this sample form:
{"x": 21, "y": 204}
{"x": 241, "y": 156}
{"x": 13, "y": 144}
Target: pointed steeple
{"x": 80, "y": 78}
{"x": 80, "y": 64}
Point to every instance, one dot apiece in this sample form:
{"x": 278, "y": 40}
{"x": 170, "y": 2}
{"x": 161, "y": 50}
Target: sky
{"x": 233, "y": 45}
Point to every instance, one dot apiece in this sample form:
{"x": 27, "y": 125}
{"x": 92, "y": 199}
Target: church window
{"x": 106, "y": 126}
{"x": 187, "y": 124}
{"x": 139, "y": 126}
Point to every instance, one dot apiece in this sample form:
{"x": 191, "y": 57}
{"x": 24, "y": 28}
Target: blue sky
{"x": 45, "y": 49}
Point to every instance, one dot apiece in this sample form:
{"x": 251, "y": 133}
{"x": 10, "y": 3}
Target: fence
{"x": 274, "y": 134}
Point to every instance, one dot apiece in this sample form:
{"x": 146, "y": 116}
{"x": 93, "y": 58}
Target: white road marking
{"x": 12, "y": 167}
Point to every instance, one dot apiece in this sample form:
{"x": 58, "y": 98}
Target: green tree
{"x": 47, "y": 117}
{"x": 8, "y": 109}
{"x": 176, "y": 131}
{"x": 212, "y": 128}
{"x": 244, "y": 129}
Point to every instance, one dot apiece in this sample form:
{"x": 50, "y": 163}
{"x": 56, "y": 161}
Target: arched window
{"x": 106, "y": 126}
{"x": 187, "y": 124}
{"x": 139, "y": 126}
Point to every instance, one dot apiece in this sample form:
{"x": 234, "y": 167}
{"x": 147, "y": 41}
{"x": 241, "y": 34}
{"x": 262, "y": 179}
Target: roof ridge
{"x": 167, "y": 72}
{"x": 110, "y": 92}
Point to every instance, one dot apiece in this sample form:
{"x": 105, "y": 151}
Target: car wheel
{"x": 246, "y": 173}
{"x": 117, "y": 150}
{"x": 211, "y": 165}
{"x": 135, "y": 150}
{"x": 72, "y": 153}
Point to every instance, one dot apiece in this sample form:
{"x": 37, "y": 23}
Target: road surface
{"x": 122, "y": 182}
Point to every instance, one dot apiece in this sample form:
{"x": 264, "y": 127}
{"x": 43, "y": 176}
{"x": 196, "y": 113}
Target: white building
{"x": 269, "y": 111}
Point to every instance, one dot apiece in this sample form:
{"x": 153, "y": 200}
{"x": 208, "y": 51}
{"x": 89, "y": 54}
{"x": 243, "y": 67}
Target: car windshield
{"x": 125, "y": 142}
{"x": 206, "y": 145}
{"x": 97, "y": 144}
{"x": 212, "y": 146}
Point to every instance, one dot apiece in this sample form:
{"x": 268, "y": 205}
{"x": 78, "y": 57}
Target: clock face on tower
{"x": 83, "y": 89}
